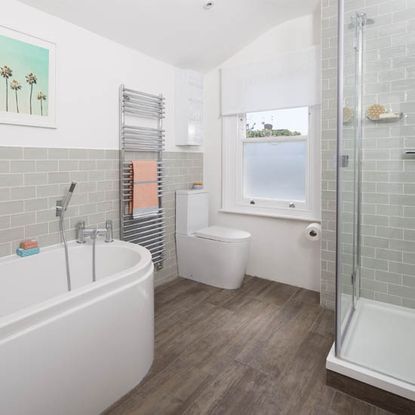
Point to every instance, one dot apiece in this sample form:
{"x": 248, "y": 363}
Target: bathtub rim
{"x": 14, "y": 323}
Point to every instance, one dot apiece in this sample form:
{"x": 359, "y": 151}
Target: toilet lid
{"x": 219, "y": 233}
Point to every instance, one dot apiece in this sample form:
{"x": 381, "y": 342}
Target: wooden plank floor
{"x": 258, "y": 350}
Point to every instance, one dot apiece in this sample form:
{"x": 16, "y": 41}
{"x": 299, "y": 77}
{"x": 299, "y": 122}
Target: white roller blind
{"x": 291, "y": 80}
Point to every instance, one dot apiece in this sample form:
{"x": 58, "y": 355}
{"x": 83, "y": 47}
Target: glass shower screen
{"x": 349, "y": 168}
{"x": 375, "y": 297}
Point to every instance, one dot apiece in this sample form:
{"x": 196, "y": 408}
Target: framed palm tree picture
{"x": 27, "y": 80}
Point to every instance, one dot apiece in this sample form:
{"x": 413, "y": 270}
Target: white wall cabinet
{"x": 188, "y": 108}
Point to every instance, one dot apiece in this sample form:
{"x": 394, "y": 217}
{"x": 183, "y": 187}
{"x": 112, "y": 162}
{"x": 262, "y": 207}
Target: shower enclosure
{"x": 375, "y": 298}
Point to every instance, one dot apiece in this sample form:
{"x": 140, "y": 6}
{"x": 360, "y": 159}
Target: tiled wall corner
{"x": 33, "y": 179}
{"x": 328, "y": 152}
{"x": 181, "y": 170}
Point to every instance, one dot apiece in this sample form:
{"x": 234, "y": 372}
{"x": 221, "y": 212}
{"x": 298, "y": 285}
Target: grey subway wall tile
{"x": 388, "y": 180}
{"x": 42, "y": 175}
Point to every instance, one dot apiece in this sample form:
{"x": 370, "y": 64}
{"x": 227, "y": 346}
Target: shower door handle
{"x": 409, "y": 153}
{"x": 345, "y": 160}
{"x": 353, "y": 278}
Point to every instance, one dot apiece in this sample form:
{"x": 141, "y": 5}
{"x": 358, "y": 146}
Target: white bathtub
{"x": 74, "y": 352}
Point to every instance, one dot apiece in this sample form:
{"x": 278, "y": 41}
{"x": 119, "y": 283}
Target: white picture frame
{"x": 24, "y": 105}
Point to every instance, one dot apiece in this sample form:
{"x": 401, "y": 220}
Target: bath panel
{"x": 74, "y": 352}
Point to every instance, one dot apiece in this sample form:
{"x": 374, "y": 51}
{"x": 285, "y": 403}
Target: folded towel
{"x": 29, "y": 244}
{"x": 145, "y": 188}
{"x": 27, "y": 252}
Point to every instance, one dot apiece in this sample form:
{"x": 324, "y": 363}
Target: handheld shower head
{"x": 68, "y": 196}
{"x": 72, "y": 187}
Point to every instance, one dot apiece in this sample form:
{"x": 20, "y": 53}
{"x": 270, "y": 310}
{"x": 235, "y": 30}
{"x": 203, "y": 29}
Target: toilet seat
{"x": 222, "y": 234}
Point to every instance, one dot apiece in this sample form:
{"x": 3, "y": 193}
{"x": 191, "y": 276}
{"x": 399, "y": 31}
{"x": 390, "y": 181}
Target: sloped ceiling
{"x": 180, "y": 32}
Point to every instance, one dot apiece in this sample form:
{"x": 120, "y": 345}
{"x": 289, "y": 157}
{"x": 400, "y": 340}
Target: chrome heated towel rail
{"x": 141, "y": 136}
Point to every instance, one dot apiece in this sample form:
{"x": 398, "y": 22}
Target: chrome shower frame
{"x": 358, "y": 24}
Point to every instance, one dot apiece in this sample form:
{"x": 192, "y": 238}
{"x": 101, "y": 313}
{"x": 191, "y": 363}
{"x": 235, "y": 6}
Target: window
{"x": 269, "y": 163}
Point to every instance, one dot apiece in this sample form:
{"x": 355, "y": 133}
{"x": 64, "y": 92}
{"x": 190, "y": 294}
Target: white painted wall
{"x": 279, "y": 250}
{"x": 89, "y": 70}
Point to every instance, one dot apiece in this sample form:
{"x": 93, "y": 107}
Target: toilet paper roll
{"x": 313, "y": 232}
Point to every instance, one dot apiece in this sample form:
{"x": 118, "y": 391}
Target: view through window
{"x": 275, "y": 155}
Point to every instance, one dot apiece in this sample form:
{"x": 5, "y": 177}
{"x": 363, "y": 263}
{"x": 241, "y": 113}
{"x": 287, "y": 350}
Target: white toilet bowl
{"x": 212, "y": 258}
{"x": 212, "y": 255}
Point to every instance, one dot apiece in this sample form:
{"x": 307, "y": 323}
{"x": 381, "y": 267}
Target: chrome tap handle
{"x": 109, "y": 231}
{"x": 80, "y": 230}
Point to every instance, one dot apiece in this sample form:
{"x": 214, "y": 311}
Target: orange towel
{"x": 145, "y": 188}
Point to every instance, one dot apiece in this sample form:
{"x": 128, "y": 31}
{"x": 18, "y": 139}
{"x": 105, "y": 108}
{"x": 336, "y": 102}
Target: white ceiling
{"x": 179, "y": 32}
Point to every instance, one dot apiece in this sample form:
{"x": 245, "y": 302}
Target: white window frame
{"x": 233, "y": 201}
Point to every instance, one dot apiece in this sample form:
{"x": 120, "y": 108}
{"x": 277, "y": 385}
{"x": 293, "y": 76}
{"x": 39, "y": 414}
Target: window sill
{"x": 303, "y": 218}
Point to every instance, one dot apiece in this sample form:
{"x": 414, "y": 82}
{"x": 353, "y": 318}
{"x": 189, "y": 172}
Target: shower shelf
{"x": 399, "y": 116}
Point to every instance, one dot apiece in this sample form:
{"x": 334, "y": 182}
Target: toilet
{"x": 212, "y": 255}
